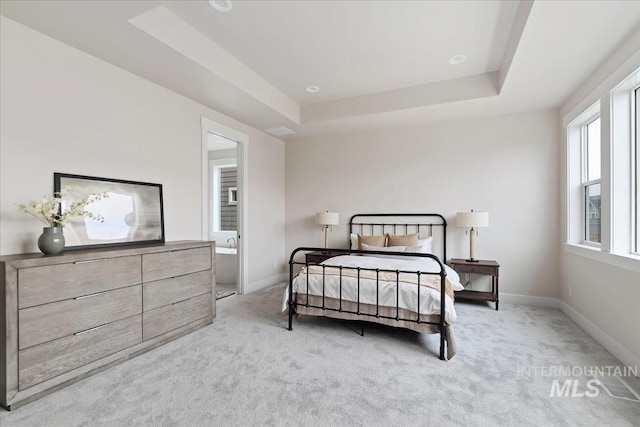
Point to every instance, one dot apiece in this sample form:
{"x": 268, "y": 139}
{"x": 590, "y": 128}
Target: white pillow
{"x": 406, "y": 249}
{"x": 426, "y": 244}
{"x": 354, "y": 241}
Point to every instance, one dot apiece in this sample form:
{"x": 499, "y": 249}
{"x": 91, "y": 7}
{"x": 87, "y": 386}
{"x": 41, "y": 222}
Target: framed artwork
{"x": 132, "y": 212}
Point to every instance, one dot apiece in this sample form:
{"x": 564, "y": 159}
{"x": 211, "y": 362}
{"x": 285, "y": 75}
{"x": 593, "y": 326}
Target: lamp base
{"x": 472, "y": 260}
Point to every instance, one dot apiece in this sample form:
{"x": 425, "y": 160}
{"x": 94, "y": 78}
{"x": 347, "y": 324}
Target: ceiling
{"x": 377, "y": 64}
{"x": 218, "y": 143}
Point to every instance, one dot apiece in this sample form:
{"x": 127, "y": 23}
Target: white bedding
{"x": 408, "y": 296}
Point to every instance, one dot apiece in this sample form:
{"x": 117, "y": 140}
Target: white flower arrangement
{"x": 48, "y": 209}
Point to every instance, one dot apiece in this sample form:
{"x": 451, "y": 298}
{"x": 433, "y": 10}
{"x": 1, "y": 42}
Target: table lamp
{"x": 472, "y": 220}
{"x": 326, "y": 219}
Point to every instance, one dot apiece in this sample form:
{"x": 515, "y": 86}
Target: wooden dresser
{"x": 68, "y": 316}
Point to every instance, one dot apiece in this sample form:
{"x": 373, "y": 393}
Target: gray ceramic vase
{"x": 51, "y": 241}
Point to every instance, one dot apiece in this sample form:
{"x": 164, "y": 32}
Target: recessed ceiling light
{"x": 458, "y": 59}
{"x": 221, "y": 5}
{"x": 313, "y": 89}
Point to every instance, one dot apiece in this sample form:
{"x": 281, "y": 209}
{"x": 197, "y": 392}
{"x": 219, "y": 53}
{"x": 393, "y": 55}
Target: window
{"x": 233, "y": 195}
{"x": 603, "y": 174}
{"x": 591, "y": 181}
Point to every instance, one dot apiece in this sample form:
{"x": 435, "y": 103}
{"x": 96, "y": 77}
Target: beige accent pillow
{"x": 371, "y": 240}
{"x": 402, "y": 240}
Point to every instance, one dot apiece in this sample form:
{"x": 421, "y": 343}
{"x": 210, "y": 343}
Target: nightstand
{"x": 484, "y": 267}
{"x": 318, "y": 256}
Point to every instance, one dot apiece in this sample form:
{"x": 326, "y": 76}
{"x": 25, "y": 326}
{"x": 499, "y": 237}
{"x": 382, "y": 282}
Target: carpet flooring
{"x": 247, "y": 370}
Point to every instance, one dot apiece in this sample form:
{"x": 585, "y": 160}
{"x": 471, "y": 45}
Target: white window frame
{"x": 615, "y": 99}
{"x": 635, "y": 183}
{"x": 214, "y": 170}
{"x": 233, "y": 195}
{"x": 576, "y": 177}
{"x": 584, "y": 164}
{"x": 621, "y": 168}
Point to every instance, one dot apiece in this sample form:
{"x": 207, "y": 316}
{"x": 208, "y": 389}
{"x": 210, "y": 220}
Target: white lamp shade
{"x": 327, "y": 218}
{"x": 472, "y": 219}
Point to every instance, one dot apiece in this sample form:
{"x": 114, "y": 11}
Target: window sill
{"x": 628, "y": 262}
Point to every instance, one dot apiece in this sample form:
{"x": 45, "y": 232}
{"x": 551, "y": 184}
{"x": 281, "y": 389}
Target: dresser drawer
{"x": 41, "y": 285}
{"x": 164, "y": 319}
{"x": 48, "y": 360}
{"x": 164, "y": 265}
{"x": 167, "y": 291}
{"x": 52, "y": 321}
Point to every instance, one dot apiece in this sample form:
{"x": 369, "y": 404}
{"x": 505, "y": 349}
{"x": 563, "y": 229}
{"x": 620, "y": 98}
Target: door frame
{"x": 210, "y": 126}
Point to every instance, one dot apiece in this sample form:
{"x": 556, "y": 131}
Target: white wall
{"x": 65, "y": 111}
{"x": 267, "y": 231}
{"x": 605, "y": 301}
{"x": 506, "y": 165}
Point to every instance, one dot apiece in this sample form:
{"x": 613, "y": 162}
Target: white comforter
{"x": 408, "y": 296}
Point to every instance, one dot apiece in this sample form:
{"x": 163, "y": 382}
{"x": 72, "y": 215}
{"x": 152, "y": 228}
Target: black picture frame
{"x": 133, "y": 212}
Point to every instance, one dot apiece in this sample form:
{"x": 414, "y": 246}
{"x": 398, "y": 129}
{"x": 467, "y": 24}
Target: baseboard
{"x": 530, "y": 300}
{"x": 604, "y": 339}
{"x": 265, "y": 283}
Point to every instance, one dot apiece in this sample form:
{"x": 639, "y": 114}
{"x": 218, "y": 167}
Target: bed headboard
{"x": 425, "y": 224}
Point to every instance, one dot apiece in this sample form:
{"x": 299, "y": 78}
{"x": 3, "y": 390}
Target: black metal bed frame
{"x": 441, "y": 222}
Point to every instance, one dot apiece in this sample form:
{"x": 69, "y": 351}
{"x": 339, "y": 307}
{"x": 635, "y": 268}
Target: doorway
{"x": 223, "y": 211}
{"x": 224, "y": 202}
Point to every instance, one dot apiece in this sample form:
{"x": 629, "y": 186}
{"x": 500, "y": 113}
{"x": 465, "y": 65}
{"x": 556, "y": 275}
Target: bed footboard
{"x": 337, "y": 306}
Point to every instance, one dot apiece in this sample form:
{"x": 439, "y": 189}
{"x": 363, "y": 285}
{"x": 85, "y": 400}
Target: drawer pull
{"x": 91, "y": 295}
{"x": 91, "y": 329}
{"x": 90, "y": 261}
{"x": 186, "y": 249}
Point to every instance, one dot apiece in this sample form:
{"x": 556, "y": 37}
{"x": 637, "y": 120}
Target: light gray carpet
{"x": 247, "y": 370}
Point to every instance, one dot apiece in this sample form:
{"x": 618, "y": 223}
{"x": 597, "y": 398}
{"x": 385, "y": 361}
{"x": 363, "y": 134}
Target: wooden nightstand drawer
{"x": 483, "y": 267}
{"x": 477, "y": 269}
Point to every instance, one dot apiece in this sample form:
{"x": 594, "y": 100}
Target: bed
{"x": 401, "y": 286}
